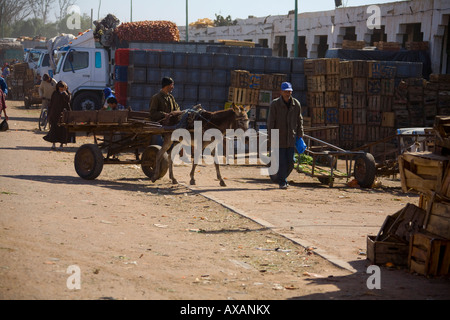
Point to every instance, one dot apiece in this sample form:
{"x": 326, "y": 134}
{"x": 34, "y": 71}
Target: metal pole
{"x": 187, "y": 20}
{"x": 296, "y": 30}
{"x": 131, "y": 11}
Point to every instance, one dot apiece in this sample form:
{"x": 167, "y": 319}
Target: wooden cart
{"x": 116, "y": 134}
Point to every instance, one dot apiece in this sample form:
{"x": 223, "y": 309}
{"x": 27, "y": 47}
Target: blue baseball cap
{"x": 286, "y": 86}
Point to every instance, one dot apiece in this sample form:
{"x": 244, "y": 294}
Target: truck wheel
{"x": 365, "y": 170}
{"x": 86, "y": 101}
{"x": 149, "y": 162}
{"x": 89, "y": 162}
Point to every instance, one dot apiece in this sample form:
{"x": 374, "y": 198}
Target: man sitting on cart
{"x": 163, "y": 103}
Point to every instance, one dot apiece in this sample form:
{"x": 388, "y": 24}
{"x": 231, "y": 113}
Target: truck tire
{"x": 87, "y": 101}
{"x": 89, "y": 162}
{"x": 365, "y": 170}
{"x": 149, "y": 159}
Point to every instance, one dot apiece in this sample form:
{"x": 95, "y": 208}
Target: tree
{"x": 41, "y": 8}
{"x": 14, "y": 10}
{"x": 220, "y": 21}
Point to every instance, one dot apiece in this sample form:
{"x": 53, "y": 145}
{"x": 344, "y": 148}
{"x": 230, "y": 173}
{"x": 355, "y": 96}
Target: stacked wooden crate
{"x": 442, "y": 82}
{"x": 353, "y": 103}
{"x": 429, "y": 175}
{"x": 255, "y": 90}
{"x": 416, "y": 102}
{"x": 20, "y": 81}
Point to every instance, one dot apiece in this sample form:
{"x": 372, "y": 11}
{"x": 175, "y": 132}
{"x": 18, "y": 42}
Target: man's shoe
{"x": 284, "y": 186}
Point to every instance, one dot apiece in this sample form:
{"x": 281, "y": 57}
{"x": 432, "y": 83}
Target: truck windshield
{"x": 59, "y": 60}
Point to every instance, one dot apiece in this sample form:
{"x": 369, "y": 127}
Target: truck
{"x": 10, "y": 51}
{"x": 39, "y": 61}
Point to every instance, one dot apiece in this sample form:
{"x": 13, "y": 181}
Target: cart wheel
{"x": 43, "y": 119}
{"x": 149, "y": 159}
{"x": 365, "y": 170}
{"x": 89, "y": 162}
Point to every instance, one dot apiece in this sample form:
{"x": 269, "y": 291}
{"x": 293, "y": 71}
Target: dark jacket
{"x": 288, "y": 120}
{"x": 58, "y": 103}
{"x": 162, "y": 104}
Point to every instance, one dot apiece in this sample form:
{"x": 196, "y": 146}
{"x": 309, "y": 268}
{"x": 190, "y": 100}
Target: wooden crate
{"x": 359, "y": 85}
{"x": 422, "y": 171}
{"x": 238, "y": 95}
{"x": 346, "y": 101}
{"x": 240, "y": 78}
{"x": 359, "y": 101}
{"x": 373, "y": 133}
{"x": 345, "y": 116}
{"x": 374, "y": 118}
{"x": 381, "y": 253}
{"x": 359, "y": 116}
{"x": 374, "y": 102}
{"x": 318, "y": 116}
{"x": 347, "y": 86}
{"x": 386, "y": 103}
{"x": 252, "y": 97}
{"x": 333, "y": 83}
{"x": 438, "y": 222}
{"x": 332, "y": 115}
{"x": 346, "y": 132}
{"x": 387, "y": 87}
{"x": 388, "y": 119}
{"x": 316, "y": 84}
{"x": 315, "y": 100}
{"x": 429, "y": 255}
{"x": 332, "y": 66}
{"x": 379, "y": 70}
{"x": 331, "y": 99}
{"x": 374, "y": 86}
{"x": 360, "y": 133}
{"x": 265, "y": 98}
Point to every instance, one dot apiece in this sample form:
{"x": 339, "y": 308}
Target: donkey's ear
{"x": 247, "y": 109}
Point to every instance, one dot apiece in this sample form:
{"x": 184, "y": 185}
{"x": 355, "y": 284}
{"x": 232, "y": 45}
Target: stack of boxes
{"x": 257, "y": 91}
{"x": 20, "y": 81}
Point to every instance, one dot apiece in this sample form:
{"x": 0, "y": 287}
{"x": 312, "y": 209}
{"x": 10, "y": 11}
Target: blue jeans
{"x": 286, "y": 164}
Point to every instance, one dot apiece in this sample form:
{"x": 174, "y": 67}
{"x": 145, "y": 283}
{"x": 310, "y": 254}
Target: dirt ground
{"x": 135, "y": 240}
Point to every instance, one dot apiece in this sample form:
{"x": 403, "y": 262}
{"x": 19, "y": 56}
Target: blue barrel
{"x": 246, "y": 62}
{"x": 204, "y": 93}
{"x": 153, "y": 59}
{"x": 272, "y": 65}
{"x": 178, "y": 91}
{"x": 167, "y": 59}
{"x": 259, "y": 63}
{"x": 138, "y": 58}
{"x": 180, "y": 76}
{"x": 219, "y": 94}
{"x": 206, "y": 61}
{"x": 285, "y": 65}
{"x": 298, "y": 65}
{"x": 137, "y": 75}
{"x": 191, "y": 92}
{"x": 298, "y": 81}
{"x": 121, "y": 73}
{"x": 233, "y": 62}
{"x": 154, "y": 76}
{"x": 136, "y": 91}
{"x": 180, "y": 60}
{"x": 220, "y": 77}
{"x": 205, "y": 77}
{"x": 193, "y": 76}
{"x": 193, "y": 60}
{"x": 220, "y": 61}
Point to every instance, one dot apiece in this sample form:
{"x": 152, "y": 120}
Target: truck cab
{"x": 86, "y": 71}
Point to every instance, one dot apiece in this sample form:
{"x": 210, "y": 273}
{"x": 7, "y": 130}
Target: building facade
{"x": 401, "y": 22}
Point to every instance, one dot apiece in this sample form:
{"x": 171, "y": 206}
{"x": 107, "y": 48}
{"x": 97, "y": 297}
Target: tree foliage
{"x": 221, "y": 21}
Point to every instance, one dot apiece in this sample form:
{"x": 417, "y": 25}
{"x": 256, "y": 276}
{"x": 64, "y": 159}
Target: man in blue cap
{"x": 285, "y": 115}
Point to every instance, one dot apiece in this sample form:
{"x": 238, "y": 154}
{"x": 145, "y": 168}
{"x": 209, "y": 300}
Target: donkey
{"x": 233, "y": 118}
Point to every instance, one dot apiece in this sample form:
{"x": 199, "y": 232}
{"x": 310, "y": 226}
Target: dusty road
{"x": 134, "y": 240}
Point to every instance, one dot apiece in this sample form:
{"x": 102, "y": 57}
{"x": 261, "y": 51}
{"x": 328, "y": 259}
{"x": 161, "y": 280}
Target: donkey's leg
{"x": 166, "y": 146}
{"x": 217, "y": 165}
{"x": 171, "y": 175}
{"x": 194, "y": 166}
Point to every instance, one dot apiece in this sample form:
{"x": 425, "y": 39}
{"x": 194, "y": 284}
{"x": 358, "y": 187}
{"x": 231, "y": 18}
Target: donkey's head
{"x": 242, "y": 121}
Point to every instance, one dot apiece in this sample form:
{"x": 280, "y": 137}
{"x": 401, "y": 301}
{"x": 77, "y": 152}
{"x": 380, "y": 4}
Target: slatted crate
{"x": 374, "y": 103}
{"x": 359, "y": 101}
{"x": 429, "y": 255}
{"x": 332, "y": 66}
{"x": 380, "y": 70}
{"x": 333, "y": 83}
{"x": 315, "y": 99}
{"x": 346, "y": 101}
{"x": 332, "y": 116}
{"x": 360, "y": 116}
{"x": 331, "y": 99}
{"x": 346, "y": 132}
{"x": 388, "y": 119}
{"x": 386, "y": 103}
{"x": 373, "y": 133}
{"x": 318, "y": 116}
{"x": 360, "y": 134}
{"x": 316, "y": 84}
{"x": 374, "y": 118}
{"x": 345, "y": 116}
{"x": 354, "y": 68}
{"x": 347, "y": 86}
{"x": 359, "y": 85}
{"x": 387, "y": 87}
{"x": 374, "y": 86}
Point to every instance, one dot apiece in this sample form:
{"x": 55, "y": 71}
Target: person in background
{"x": 107, "y": 93}
{"x": 285, "y": 115}
{"x": 163, "y": 103}
{"x": 3, "y": 104}
{"x": 113, "y": 105}
{"x": 3, "y": 86}
{"x": 46, "y": 89}
{"x": 59, "y": 102}
{"x": 6, "y": 71}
